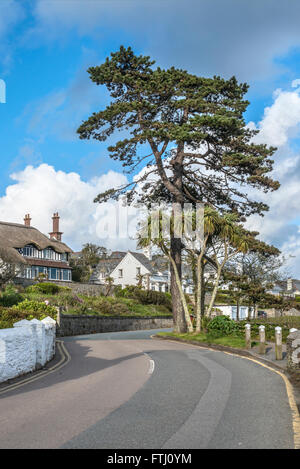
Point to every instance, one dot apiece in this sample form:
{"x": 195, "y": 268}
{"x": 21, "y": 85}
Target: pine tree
{"x": 188, "y": 131}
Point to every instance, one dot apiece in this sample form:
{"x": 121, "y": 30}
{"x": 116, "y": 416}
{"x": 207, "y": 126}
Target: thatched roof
{"x": 14, "y": 236}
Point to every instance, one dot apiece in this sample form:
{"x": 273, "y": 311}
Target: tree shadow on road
{"x": 79, "y": 366}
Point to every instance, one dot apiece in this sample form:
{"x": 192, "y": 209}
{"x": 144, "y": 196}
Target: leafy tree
{"x": 190, "y": 134}
{"x": 279, "y": 303}
{"x": 8, "y": 270}
{"x": 86, "y": 261}
{"x": 109, "y": 281}
{"x": 251, "y": 274}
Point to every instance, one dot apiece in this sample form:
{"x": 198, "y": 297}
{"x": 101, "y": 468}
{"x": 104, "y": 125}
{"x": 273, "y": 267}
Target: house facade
{"x": 231, "y": 311}
{"x": 130, "y": 268}
{"x": 289, "y": 287}
{"x": 34, "y": 253}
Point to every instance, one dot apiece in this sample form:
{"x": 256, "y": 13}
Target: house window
{"x": 138, "y": 271}
{"x": 120, "y": 273}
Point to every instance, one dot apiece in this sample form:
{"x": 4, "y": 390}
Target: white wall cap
{"x": 35, "y": 321}
{"x": 22, "y": 323}
{"x": 48, "y": 320}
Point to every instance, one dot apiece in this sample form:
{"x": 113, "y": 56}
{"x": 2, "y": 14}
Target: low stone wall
{"x": 78, "y": 325}
{"x": 88, "y": 289}
{"x": 293, "y": 351}
{"x": 27, "y": 346}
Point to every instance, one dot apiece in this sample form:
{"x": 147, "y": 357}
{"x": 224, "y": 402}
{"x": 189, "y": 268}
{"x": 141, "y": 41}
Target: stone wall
{"x": 78, "y": 325}
{"x": 27, "y": 346}
{"x": 293, "y": 351}
{"x": 87, "y": 289}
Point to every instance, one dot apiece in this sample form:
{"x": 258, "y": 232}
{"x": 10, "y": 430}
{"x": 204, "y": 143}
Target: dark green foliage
{"x": 46, "y": 288}
{"x": 84, "y": 263}
{"x": 222, "y": 325}
{"x": 37, "y": 307}
{"x": 8, "y": 316}
{"x": 164, "y": 109}
{"x": 10, "y": 297}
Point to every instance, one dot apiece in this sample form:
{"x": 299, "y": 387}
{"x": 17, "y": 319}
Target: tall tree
{"x": 84, "y": 263}
{"x": 9, "y": 270}
{"x": 190, "y": 133}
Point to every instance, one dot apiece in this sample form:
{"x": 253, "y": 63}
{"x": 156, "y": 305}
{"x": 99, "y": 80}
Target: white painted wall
{"x": 229, "y": 310}
{"x": 26, "y": 346}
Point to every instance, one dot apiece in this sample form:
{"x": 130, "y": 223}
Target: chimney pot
{"x": 56, "y": 234}
{"x": 27, "y": 219}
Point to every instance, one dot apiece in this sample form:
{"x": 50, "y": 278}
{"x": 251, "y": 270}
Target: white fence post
{"x": 262, "y": 339}
{"x": 248, "y": 336}
{"x": 278, "y": 343}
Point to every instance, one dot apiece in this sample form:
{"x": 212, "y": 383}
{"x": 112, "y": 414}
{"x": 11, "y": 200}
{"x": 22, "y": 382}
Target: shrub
{"x": 10, "y": 297}
{"x": 37, "y": 307}
{"x": 8, "y": 316}
{"x": 46, "y": 288}
{"x": 222, "y": 325}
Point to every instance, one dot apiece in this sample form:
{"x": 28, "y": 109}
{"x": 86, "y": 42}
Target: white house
{"x": 229, "y": 310}
{"x": 128, "y": 268}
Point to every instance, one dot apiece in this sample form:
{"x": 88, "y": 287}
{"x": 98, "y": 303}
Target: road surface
{"x": 126, "y": 390}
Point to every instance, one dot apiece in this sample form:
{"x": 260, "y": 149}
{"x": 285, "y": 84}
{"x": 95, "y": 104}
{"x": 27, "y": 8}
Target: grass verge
{"x": 233, "y": 341}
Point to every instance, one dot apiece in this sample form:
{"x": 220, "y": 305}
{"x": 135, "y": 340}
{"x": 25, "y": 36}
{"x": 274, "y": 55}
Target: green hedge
{"x": 8, "y": 316}
{"x": 10, "y": 297}
{"x": 36, "y": 307}
{"x": 46, "y": 288}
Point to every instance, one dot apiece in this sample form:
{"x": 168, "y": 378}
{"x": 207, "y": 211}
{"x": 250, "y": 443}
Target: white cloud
{"x": 278, "y": 127}
{"x": 42, "y": 190}
{"x": 281, "y": 120}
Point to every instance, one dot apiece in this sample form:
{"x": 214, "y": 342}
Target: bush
{"x": 222, "y": 325}
{"x": 37, "y": 307}
{"x": 10, "y": 297}
{"x": 46, "y": 288}
{"x": 8, "y": 316}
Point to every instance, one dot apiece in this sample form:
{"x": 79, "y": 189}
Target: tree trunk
{"x": 200, "y": 293}
{"x": 186, "y": 313}
{"x": 177, "y": 307}
{"x": 215, "y": 290}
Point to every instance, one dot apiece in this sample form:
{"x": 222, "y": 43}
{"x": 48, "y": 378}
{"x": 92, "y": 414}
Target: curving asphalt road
{"x": 125, "y": 390}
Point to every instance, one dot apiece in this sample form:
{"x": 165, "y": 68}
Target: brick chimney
{"x": 56, "y": 234}
{"x": 27, "y": 219}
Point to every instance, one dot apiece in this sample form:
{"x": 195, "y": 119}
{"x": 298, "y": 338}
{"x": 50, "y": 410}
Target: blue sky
{"x": 46, "y": 47}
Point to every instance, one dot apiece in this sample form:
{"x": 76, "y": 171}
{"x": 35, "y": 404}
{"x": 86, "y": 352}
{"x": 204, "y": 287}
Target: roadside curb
{"x": 35, "y": 375}
{"x": 223, "y": 348}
